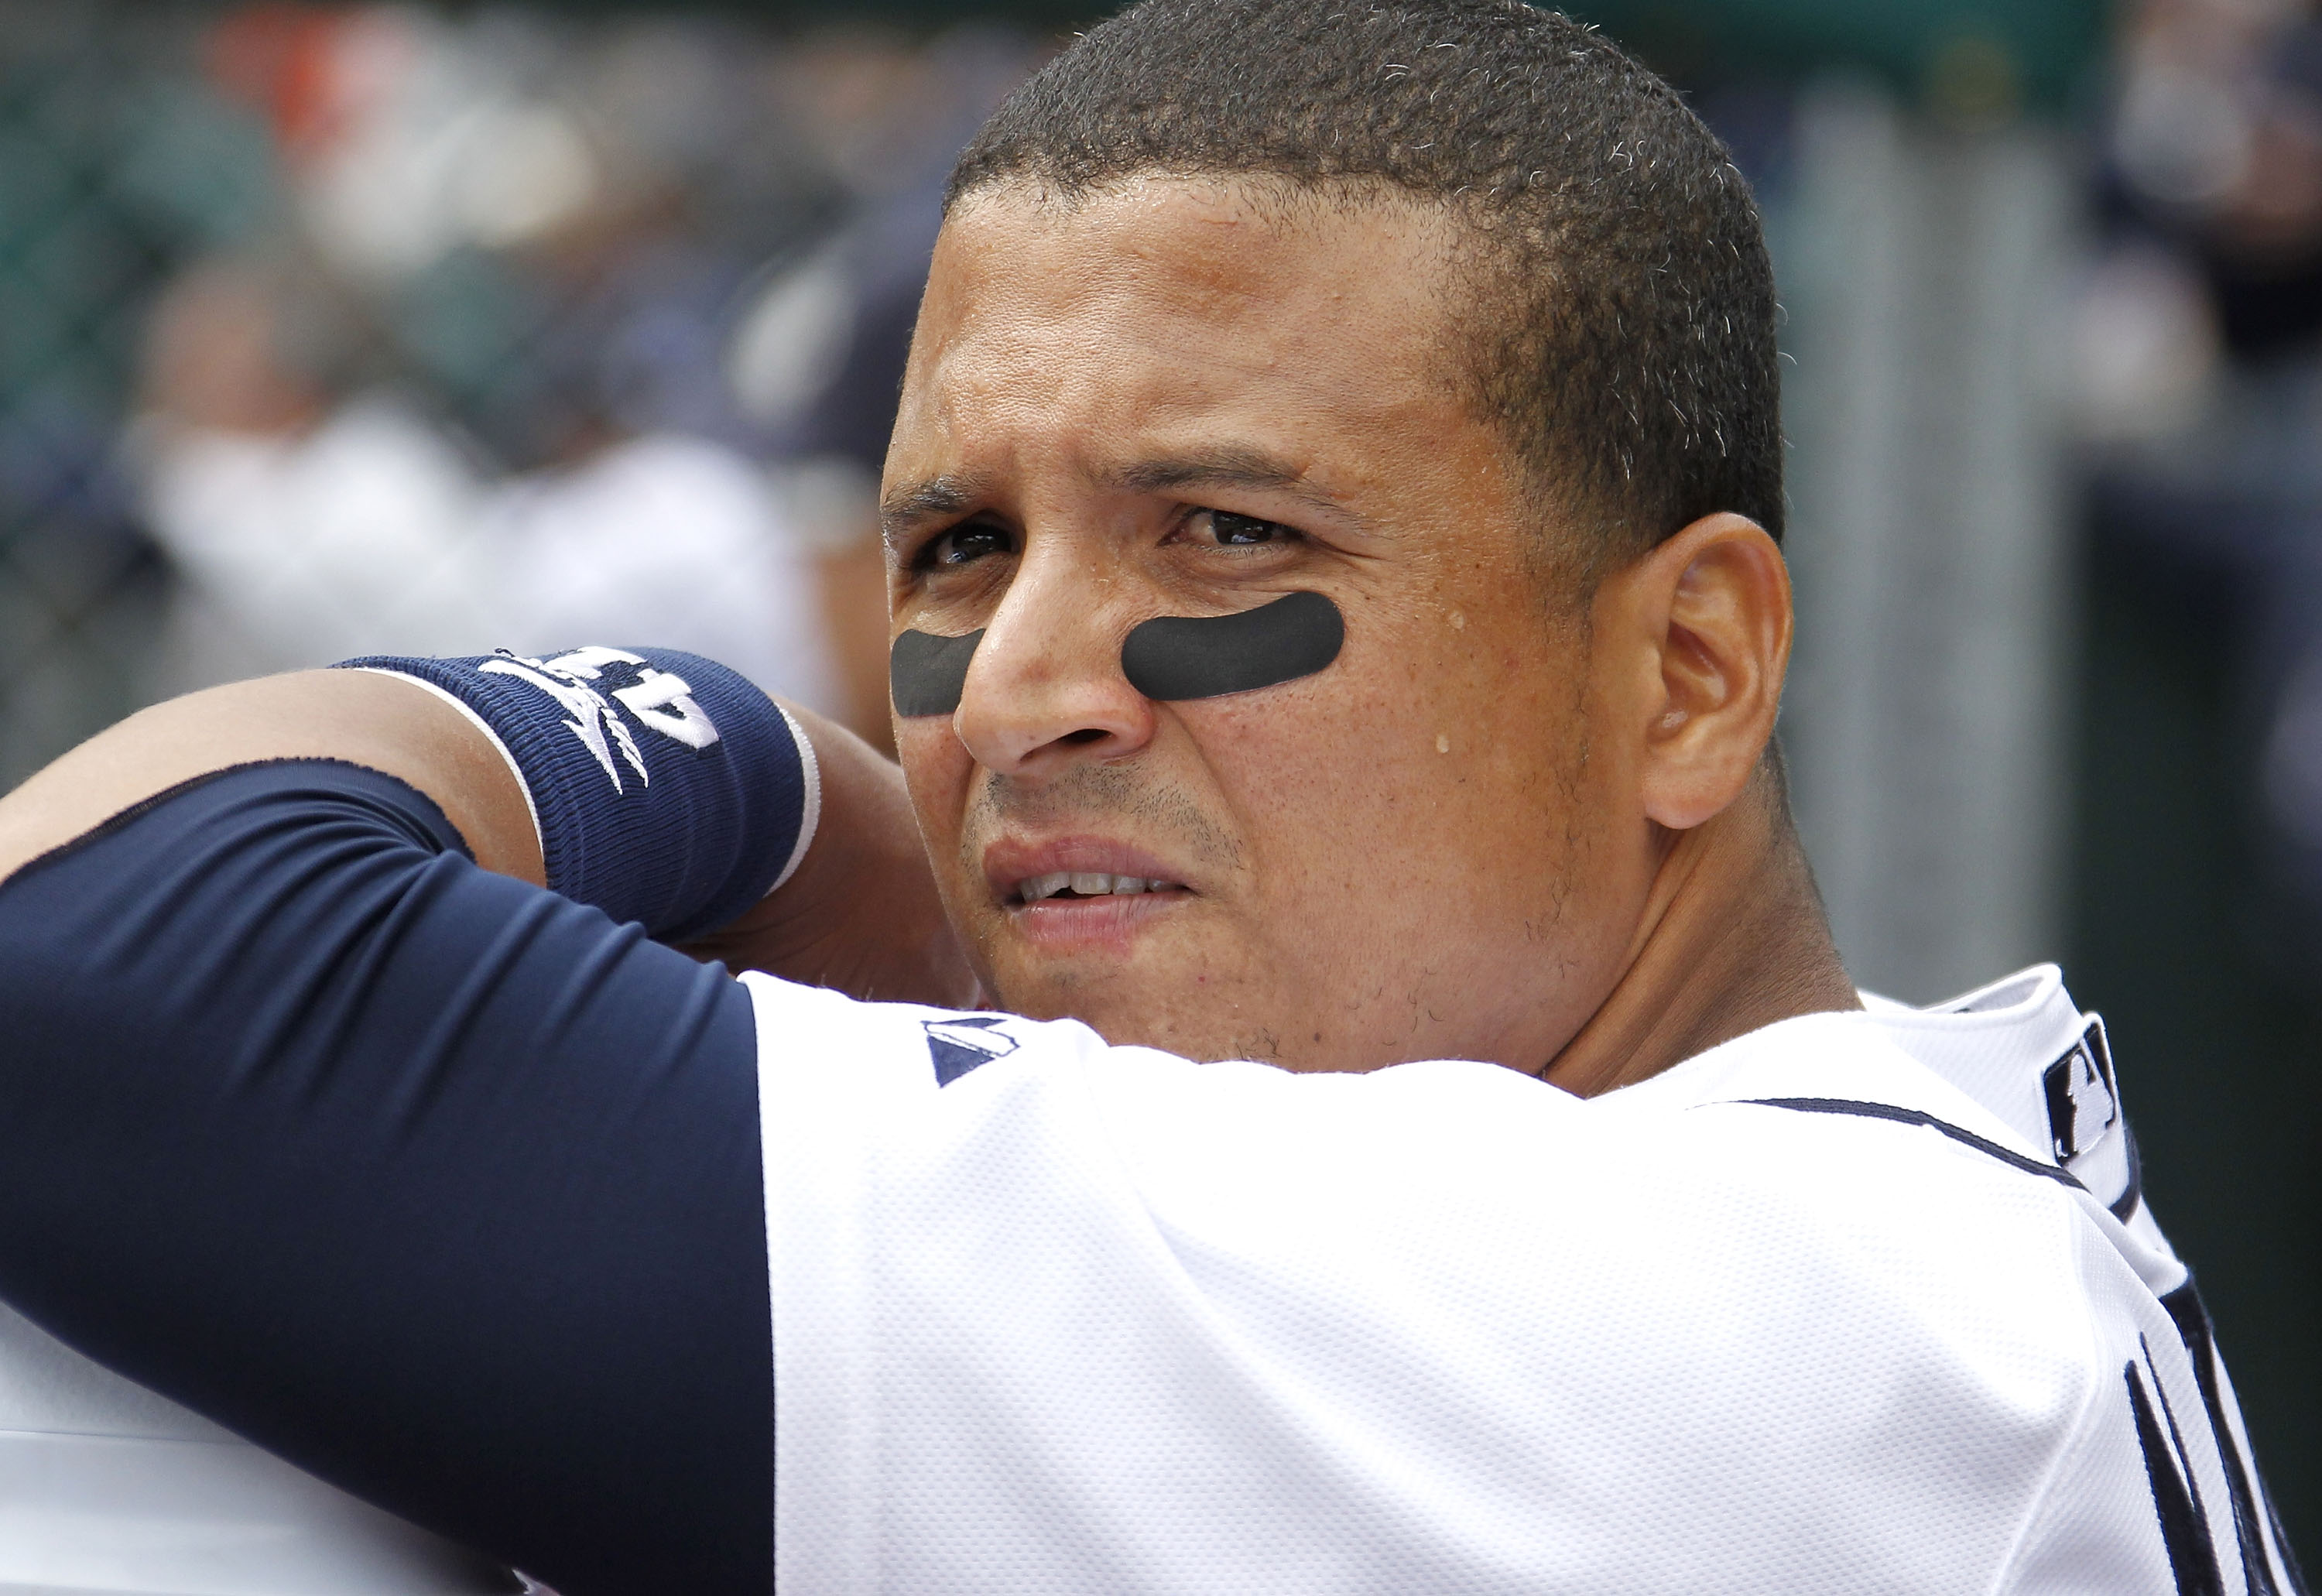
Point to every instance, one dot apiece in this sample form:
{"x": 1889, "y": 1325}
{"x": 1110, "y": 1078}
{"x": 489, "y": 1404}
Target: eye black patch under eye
{"x": 924, "y": 673}
{"x": 1168, "y": 657}
{"x": 1203, "y": 657}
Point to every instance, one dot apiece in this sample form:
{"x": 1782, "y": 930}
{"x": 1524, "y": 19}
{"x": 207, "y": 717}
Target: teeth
{"x": 1086, "y": 883}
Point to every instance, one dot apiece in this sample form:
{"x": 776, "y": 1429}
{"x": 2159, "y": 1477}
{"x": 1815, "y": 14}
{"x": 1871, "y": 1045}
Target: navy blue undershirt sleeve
{"x": 442, "y": 1186}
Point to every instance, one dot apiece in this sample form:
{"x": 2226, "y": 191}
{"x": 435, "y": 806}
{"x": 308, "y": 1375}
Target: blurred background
{"x": 333, "y": 328}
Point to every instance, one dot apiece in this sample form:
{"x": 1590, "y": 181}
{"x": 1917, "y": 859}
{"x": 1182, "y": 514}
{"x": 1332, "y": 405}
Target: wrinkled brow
{"x": 1224, "y": 468}
{"x": 936, "y": 497}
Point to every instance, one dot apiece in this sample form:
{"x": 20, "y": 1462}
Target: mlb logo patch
{"x": 2083, "y": 1102}
{"x": 959, "y": 1044}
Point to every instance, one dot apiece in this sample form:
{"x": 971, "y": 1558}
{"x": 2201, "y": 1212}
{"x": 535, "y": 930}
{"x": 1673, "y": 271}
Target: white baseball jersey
{"x": 1859, "y": 1303}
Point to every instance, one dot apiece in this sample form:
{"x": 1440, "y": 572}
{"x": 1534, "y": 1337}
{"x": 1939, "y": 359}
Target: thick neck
{"x": 1734, "y": 938}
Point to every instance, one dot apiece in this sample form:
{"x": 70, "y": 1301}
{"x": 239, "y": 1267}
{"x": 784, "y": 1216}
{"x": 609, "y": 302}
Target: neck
{"x": 1734, "y": 938}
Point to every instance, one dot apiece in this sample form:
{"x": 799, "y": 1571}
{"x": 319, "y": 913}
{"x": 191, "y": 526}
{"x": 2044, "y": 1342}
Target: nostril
{"x": 1086, "y": 734}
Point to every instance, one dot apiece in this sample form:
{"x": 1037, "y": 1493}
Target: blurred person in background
{"x": 817, "y": 360}
{"x": 556, "y": 240}
{"x": 2201, "y": 380}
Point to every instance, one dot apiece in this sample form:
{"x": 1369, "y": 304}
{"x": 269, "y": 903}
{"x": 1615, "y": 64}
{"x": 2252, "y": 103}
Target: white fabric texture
{"x": 1098, "y": 1320}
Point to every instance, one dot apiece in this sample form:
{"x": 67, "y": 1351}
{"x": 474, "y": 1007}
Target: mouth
{"x": 1077, "y": 886}
{"x": 1081, "y": 893}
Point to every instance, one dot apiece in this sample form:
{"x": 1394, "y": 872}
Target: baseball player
{"x": 1415, "y": 1134}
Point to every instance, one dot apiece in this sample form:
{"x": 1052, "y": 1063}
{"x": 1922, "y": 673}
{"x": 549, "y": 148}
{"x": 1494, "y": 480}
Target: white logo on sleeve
{"x": 660, "y": 699}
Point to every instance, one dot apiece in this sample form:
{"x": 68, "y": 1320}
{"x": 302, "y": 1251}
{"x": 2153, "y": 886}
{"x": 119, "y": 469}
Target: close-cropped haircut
{"x": 1620, "y": 328}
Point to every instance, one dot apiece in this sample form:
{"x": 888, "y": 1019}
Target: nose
{"x": 1045, "y": 693}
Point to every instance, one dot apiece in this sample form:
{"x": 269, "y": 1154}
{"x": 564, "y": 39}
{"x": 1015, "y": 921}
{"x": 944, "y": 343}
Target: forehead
{"x": 1163, "y": 308}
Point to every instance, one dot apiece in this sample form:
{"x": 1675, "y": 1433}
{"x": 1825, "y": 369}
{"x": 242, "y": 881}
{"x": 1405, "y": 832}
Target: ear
{"x": 1707, "y": 618}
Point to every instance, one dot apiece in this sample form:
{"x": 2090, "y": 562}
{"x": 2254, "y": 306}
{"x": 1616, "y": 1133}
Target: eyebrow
{"x": 1224, "y": 468}
{"x": 907, "y": 507}
{"x": 953, "y": 493}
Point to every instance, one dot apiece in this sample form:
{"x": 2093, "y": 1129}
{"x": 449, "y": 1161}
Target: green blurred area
{"x": 1975, "y": 54}
{"x": 1957, "y": 51}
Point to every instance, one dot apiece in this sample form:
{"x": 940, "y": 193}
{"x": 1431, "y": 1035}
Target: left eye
{"x": 1241, "y": 532}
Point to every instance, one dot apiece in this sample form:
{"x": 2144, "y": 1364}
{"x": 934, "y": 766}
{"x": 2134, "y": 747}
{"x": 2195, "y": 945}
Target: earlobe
{"x": 1715, "y": 601}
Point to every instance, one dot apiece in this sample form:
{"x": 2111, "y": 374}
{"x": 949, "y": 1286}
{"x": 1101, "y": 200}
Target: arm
{"x": 860, "y": 913}
{"x": 445, "y": 1187}
{"x": 363, "y": 719}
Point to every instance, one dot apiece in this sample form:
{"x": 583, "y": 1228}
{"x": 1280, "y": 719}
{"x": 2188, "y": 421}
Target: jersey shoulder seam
{"x": 1849, "y": 1108}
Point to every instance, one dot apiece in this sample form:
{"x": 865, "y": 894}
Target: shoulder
{"x": 1733, "y": 1335}
{"x": 1803, "y": 1142}
{"x": 1823, "y": 1187}
{"x": 1827, "y": 1121}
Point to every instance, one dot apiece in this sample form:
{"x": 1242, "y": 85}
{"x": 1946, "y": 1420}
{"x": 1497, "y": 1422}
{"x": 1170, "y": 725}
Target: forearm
{"x": 859, "y": 912}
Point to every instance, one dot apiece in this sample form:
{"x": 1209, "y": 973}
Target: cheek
{"x": 1338, "y": 765}
{"x": 1440, "y": 760}
{"x": 937, "y": 769}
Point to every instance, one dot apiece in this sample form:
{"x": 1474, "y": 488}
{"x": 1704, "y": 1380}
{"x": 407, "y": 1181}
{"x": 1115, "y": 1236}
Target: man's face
{"x": 1190, "y": 399}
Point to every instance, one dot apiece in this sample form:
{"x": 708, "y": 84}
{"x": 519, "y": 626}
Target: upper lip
{"x": 1009, "y": 862}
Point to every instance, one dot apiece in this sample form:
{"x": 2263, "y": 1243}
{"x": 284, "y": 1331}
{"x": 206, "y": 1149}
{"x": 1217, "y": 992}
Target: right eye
{"x": 964, "y": 545}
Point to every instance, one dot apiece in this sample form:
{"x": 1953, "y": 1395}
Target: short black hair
{"x": 1622, "y": 335}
